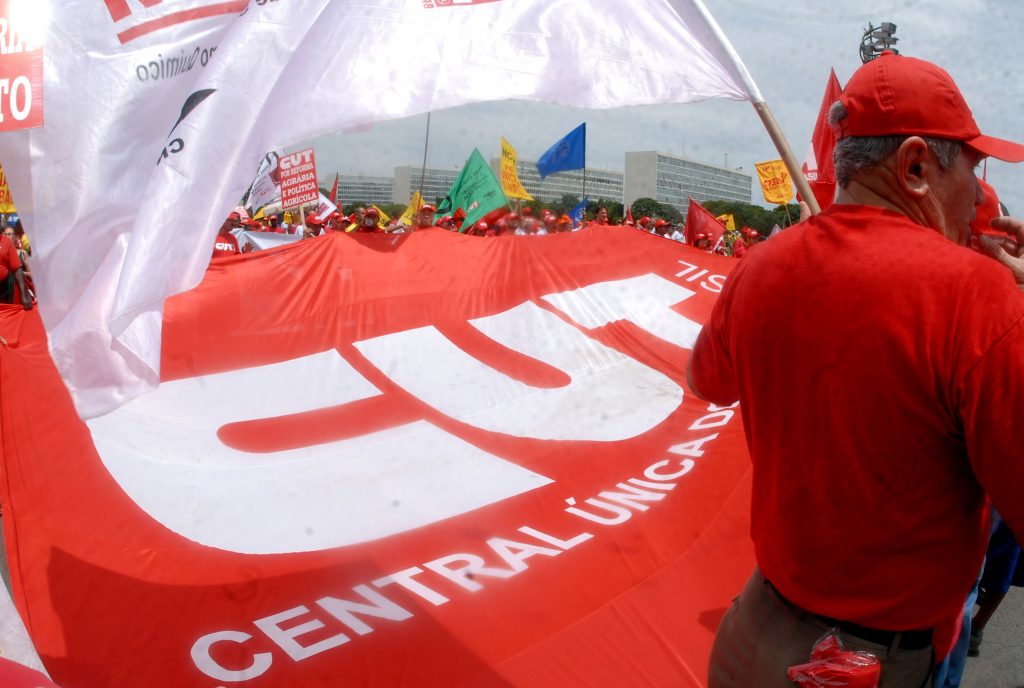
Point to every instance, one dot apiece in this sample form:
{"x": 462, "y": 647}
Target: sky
{"x": 788, "y": 47}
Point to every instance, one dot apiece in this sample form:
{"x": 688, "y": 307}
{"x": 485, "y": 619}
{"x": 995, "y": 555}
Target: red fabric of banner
{"x": 417, "y": 460}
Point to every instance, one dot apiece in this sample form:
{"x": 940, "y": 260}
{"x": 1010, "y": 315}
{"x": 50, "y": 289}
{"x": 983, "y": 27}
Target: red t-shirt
{"x": 881, "y": 373}
{"x": 9, "y": 261}
{"x": 739, "y": 248}
{"x": 226, "y": 245}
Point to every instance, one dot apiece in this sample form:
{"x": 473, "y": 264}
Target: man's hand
{"x": 1007, "y": 250}
{"x": 26, "y": 300}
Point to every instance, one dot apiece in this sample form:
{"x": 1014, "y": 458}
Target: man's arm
{"x": 26, "y": 298}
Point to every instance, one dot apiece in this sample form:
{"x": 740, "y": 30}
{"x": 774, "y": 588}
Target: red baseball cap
{"x": 427, "y": 206}
{"x": 988, "y": 209}
{"x": 895, "y": 94}
{"x": 312, "y": 219}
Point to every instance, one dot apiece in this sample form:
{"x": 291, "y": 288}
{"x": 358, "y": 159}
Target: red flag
{"x": 629, "y": 216}
{"x": 334, "y": 192}
{"x": 818, "y": 167}
{"x": 700, "y": 221}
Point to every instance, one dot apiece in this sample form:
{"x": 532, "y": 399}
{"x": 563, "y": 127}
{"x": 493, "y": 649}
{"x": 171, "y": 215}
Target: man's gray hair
{"x": 855, "y": 154}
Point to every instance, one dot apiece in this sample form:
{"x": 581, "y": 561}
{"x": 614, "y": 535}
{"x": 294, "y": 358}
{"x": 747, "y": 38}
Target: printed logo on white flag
{"x": 170, "y": 72}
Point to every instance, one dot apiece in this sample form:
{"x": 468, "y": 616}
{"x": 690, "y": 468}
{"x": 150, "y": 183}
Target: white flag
{"x": 266, "y": 187}
{"x": 157, "y": 112}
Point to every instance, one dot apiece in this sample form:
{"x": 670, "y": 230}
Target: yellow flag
{"x": 775, "y": 183}
{"x": 259, "y": 214}
{"x": 409, "y": 216}
{"x": 510, "y": 183}
{"x": 728, "y": 220}
{"x": 384, "y": 218}
{"x": 6, "y": 203}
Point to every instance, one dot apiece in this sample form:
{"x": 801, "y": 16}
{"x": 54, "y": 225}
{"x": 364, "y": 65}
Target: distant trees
{"x": 652, "y": 208}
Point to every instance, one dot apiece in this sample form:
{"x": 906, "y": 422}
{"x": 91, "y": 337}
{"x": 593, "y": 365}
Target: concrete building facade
{"x": 673, "y": 180}
{"x": 436, "y": 183}
{"x": 363, "y": 189}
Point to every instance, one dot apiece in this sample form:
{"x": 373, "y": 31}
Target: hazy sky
{"x": 788, "y": 46}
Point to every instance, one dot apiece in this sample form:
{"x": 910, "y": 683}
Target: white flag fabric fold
{"x": 156, "y": 119}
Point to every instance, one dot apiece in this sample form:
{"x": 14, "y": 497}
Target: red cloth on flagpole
{"x": 818, "y": 167}
{"x": 334, "y": 192}
{"x": 700, "y": 221}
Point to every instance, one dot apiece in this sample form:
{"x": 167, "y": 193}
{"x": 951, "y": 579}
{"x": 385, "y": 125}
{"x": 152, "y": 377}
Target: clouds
{"x": 788, "y": 45}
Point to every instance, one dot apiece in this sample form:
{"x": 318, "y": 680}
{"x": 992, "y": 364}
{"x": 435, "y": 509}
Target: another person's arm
{"x": 1009, "y": 250}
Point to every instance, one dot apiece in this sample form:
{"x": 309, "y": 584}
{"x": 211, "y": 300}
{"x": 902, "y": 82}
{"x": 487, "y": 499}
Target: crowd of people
{"x": 506, "y": 221}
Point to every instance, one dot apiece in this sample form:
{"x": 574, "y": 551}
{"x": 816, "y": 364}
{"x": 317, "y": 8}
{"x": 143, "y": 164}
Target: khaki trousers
{"x": 762, "y": 635}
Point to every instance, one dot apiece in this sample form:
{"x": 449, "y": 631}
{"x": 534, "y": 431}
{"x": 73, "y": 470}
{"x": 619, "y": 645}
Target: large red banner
{"x": 374, "y": 460}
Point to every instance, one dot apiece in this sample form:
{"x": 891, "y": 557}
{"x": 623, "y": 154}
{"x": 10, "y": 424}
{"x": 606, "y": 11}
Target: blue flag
{"x": 576, "y": 214}
{"x": 570, "y": 153}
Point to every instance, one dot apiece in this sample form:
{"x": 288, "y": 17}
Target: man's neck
{"x": 879, "y": 192}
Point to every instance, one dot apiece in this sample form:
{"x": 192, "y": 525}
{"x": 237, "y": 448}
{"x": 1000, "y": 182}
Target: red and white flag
{"x": 179, "y": 127}
{"x": 819, "y": 167}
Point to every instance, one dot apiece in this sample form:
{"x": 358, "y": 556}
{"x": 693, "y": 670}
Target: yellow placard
{"x": 728, "y": 220}
{"x": 510, "y": 183}
{"x": 775, "y": 182}
{"x": 6, "y": 202}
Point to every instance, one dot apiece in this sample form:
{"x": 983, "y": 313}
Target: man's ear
{"x": 915, "y": 168}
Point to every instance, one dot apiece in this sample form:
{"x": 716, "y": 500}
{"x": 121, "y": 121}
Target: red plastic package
{"x": 832, "y": 666}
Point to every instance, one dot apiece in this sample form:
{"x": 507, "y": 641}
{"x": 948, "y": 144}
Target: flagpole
{"x": 423, "y": 169}
{"x": 782, "y": 145}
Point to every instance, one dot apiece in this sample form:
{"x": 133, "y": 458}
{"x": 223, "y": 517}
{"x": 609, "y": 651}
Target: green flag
{"x": 477, "y": 191}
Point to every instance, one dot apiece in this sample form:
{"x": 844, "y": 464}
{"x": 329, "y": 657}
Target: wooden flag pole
{"x": 423, "y": 169}
{"x": 786, "y": 153}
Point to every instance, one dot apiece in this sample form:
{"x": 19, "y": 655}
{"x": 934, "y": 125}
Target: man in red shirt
{"x": 601, "y": 219}
{"x": 12, "y": 279}
{"x": 226, "y": 244}
{"x": 878, "y": 390}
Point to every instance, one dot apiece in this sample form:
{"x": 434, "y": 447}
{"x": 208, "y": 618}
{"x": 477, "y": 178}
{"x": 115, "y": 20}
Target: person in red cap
{"x": 513, "y": 224}
{"x": 644, "y": 223}
{"x": 550, "y": 225}
{"x": 370, "y": 222}
{"x": 314, "y": 225}
{"x": 564, "y": 223}
{"x": 225, "y": 244}
{"x": 878, "y": 388}
{"x": 425, "y": 217}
